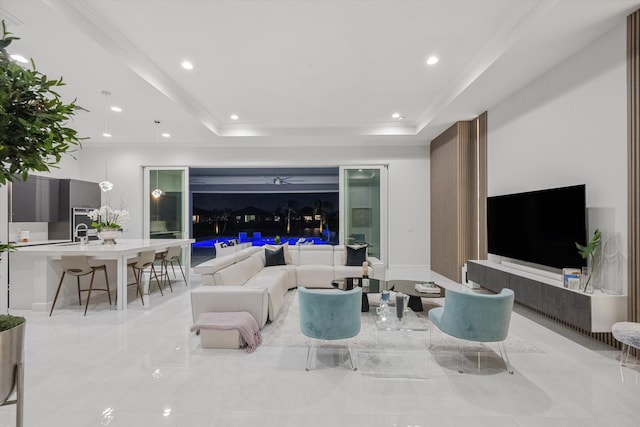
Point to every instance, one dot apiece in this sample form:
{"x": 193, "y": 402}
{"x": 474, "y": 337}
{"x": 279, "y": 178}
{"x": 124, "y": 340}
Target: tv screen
{"x": 540, "y": 227}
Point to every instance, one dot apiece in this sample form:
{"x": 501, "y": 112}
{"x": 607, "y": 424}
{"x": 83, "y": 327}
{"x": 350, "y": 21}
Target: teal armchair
{"x": 329, "y": 314}
{"x": 476, "y": 317}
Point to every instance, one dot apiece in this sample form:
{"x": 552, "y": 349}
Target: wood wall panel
{"x": 458, "y": 197}
{"x": 633, "y": 166}
{"x": 444, "y": 203}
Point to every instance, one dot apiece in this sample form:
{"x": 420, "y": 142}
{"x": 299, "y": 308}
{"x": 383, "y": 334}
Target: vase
{"x": 612, "y": 264}
{"x": 586, "y": 280}
{"x": 108, "y": 236}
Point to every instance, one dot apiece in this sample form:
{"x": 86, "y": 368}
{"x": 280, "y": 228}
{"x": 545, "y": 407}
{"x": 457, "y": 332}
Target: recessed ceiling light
{"x": 395, "y": 115}
{"x": 116, "y": 109}
{"x": 19, "y": 58}
{"x": 432, "y": 60}
{"x": 401, "y": 118}
{"x": 234, "y": 117}
{"x": 106, "y": 134}
{"x": 187, "y": 65}
{"x": 166, "y": 135}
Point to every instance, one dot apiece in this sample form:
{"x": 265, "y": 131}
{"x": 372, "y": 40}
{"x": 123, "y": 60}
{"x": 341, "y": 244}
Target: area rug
{"x": 285, "y": 332}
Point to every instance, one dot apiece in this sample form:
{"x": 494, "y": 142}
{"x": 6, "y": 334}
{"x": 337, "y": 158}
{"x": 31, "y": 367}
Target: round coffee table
{"x": 408, "y": 287}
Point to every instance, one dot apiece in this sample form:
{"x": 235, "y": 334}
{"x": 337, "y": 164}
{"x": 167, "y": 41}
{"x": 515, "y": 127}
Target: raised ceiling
{"x": 307, "y": 72}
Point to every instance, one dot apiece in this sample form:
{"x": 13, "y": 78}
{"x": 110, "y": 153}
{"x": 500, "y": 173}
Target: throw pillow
{"x": 356, "y": 255}
{"x": 273, "y": 257}
{"x": 285, "y": 249}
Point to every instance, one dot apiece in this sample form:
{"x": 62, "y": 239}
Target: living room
{"x": 562, "y": 125}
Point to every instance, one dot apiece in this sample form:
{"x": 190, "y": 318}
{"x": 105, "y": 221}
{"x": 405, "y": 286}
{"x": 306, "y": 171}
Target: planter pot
{"x": 11, "y": 358}
{"x": 109, "y": 235}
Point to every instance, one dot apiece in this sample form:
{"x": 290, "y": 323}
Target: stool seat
{"x": 628, "y": 333}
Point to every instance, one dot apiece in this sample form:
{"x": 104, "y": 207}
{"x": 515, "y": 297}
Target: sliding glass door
{"x": 166, "y": 209}
{"x": 363, "y": 207}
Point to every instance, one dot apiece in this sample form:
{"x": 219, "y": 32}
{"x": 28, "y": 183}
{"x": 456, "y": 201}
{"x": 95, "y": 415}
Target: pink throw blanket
{"x": 243, "y": 321}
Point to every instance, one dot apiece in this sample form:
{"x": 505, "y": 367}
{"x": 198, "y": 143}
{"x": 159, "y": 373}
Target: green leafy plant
{"x": 276, "y": 240}
{"x": 588, "y": 252}
{"x": 33, "y": 118}
{"x": 7, "y": 321}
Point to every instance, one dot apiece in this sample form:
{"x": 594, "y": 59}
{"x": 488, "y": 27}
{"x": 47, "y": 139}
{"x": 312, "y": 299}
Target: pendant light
{"x": 157, "y": 192}
{"x": 106, "y": 185}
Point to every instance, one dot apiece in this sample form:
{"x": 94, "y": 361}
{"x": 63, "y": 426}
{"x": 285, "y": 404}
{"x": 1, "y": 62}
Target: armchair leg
{"x": 461, "y": 370}
{"x": 505, "y": 358}
{"x": 352, "y": 358}
{"x": 311, "y": 352}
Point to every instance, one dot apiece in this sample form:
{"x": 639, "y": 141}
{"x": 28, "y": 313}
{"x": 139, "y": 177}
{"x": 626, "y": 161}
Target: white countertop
{"x": 96, "y": 248}
{"x": 38, "y": 243}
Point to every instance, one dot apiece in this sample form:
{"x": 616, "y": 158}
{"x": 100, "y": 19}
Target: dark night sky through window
{"x": 265, "y": 201}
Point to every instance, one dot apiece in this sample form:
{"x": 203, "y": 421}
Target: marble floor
{"x": 144, "y": 368}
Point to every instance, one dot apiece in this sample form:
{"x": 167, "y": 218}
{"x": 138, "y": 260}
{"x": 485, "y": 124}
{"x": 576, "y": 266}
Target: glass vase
{"x": 586, "y": 280}
{"x": 613, "y": 264}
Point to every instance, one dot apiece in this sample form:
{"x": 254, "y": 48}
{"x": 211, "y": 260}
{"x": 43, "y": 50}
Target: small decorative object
{"x": 399, "y": 305}
{"x": 589, "y": 253}
{"x": 612, "y": 264}
{"x": 276, "y": 240}
{"x": 585, "y": 280}
{"x": 108, "y": 222}
{"x": 109, "y": 235}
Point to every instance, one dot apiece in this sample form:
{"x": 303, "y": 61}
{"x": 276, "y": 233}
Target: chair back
{"x": 330, "y": 314}
{"x": 145, "y": 259}
{"x": 76, "y": 265}
{"x": 173, "y": 252}
{"x": 477, "y": 317}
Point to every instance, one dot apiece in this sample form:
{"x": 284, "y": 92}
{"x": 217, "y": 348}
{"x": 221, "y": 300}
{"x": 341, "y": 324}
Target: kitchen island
{"x": 35, "y": 270}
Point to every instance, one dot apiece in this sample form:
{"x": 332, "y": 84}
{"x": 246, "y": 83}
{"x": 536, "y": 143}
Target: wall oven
{"x": 81, "y": 216}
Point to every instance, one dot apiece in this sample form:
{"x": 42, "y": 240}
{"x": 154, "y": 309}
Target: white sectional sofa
{"x": 241, "y": 281}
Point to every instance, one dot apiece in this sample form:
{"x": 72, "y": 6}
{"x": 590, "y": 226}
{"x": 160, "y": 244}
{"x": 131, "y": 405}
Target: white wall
{"x": 408, "y": 182}
{"x": 568, "y": 127}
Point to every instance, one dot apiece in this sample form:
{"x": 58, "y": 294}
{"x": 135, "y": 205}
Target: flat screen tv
{"x": 540, "y": 227}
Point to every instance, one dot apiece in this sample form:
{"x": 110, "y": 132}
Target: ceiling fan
{"x": 278, "y": 180}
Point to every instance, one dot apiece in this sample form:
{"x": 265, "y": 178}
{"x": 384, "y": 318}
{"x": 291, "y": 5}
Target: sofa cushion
{"x": 356, "y": 255}
{"x": 273, "y": 257}
{"x": 315, "y": 276}
{"x": 315, "y": 255}
{"x": 276, "y": 283}
{"x": 253, "y": 264}
{"x": 213, "y": 265}
{"x": 233, "y": 275}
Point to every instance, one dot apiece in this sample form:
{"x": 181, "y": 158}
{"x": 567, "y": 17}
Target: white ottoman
{"x": 628, "y": 333}
{"x": 214, "y": 338}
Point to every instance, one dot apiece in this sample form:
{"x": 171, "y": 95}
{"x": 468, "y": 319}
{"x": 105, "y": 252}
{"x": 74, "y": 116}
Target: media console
{"x": 595, "y": 312}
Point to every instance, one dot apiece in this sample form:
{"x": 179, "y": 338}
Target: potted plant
{"x": 33, "y": 136}
{"x": 590, "y": 252}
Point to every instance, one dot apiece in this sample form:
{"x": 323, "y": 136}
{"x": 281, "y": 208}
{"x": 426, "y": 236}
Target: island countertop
{"x": 121, "y": 252}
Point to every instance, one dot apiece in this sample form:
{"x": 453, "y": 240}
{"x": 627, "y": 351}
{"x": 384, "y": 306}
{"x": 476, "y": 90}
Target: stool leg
{"x": 93, "y": 273}
{"x": 153, "y": 270}
{"x": 78, "y": 285}
{"x": 182, "y": 271}
{"x": 57, "y": 292}
{"x": 107, "y": 282}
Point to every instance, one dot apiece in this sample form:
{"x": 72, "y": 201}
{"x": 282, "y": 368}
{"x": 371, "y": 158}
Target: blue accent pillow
{"x": 276, "y": 257}
{"x": 356, "y": 255}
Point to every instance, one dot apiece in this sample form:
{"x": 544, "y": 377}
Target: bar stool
{"x": 171, "y": 255}
{"x": 145, "y": 260}
{"x": 78, "y": 265}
